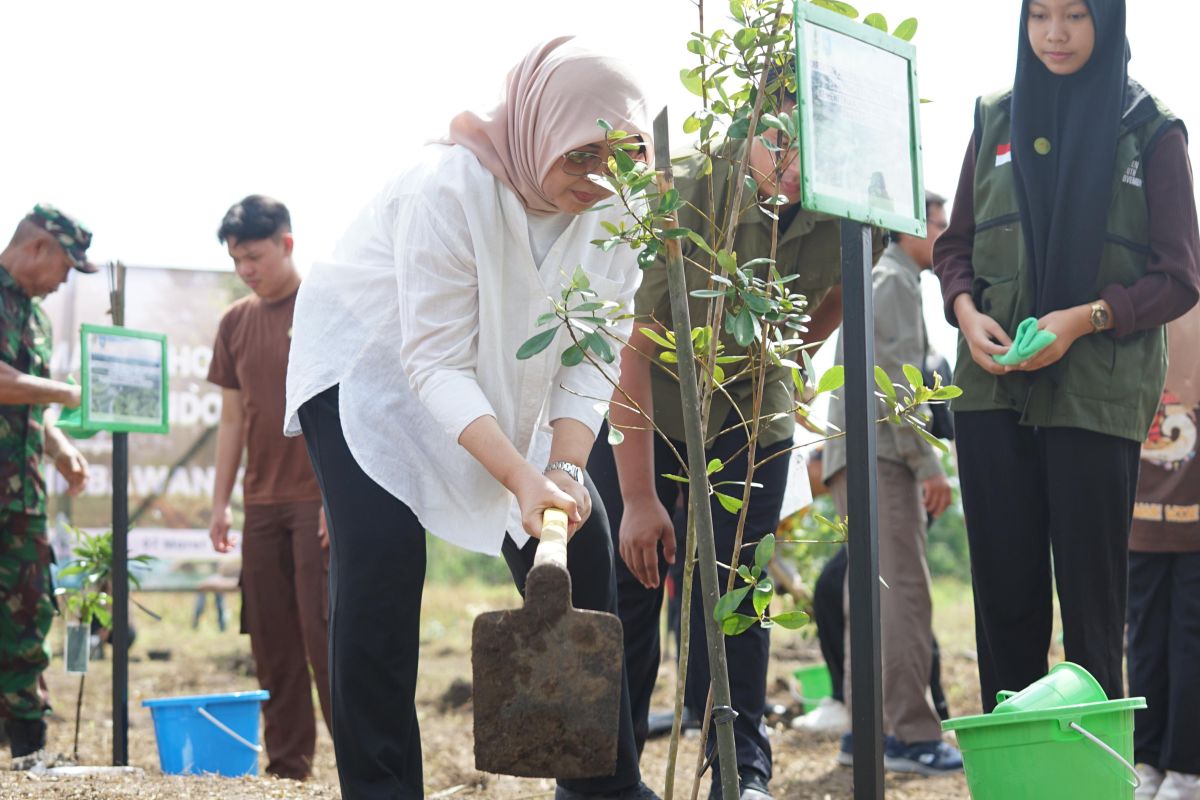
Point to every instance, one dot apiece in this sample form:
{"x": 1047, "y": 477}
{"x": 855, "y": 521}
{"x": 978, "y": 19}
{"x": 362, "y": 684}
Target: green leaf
{"x": 695, "y": 46}
{"x": 737, "y": 9}
{"x": 754, "y": 262}
{"x": 715, "y": 466}
{"x": 103, "y": 616}
{"x": 757, "y": 304}
{"x": 876, "y": 21}
{"x": 737, "y": 624}
{"x": 707, "y": 293}
{"x": 744, "y": 573}
{"x": 929, "y": 437}
{"x": 763, "y": 592}
{"x": 739, "y": 128}
{"x": 947, "y": 393}
{"x": 668, "y": 357}
{"x": 600, "y": 346}
{"x": 648, "y": 255}
{"x": 676, "y": 478}
{"x": 885, "y": 385}
{"x": 915, "y": 378}
{"x": 833, "y": 379}
{"x": 530, "y": 348}
{"x": 615, "y": 437}
{"x": 669, "y": 201}
{"x": 624, "y": 162}
{"x": 772, "y": 121}
{"x": 691, "y": 124}
{"x": 790, "y": 619}
{"x": 751, "y": 185}
{"x": 845, "y": 9}
{"x": 906, "y": 30}
{"x": 728, "y": 261}
{"x": 603, "y": 123}
{"x": 744, "y": 328}
{"x": 731, "y": 504}
{"x": 572, "y": 355}
{"x": 745, "y": 38}
{"x": 764, "y": 551}
{"x": 675, "y": 233}
{"x": 691, "y": 82}
{"x": 657, "y": 338}
{"x": 698, "y": 240}
{"x": 729, "y": 603}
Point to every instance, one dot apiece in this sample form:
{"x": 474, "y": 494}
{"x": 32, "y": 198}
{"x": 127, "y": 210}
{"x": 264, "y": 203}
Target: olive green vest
{"x": 1103, "y": 383}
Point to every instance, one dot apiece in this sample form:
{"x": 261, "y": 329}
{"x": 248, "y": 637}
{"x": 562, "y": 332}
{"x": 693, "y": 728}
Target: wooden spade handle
{"x": 552, "y": 549}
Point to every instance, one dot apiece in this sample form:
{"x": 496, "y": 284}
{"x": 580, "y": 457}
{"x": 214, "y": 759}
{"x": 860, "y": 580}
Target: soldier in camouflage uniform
{"x": 46, "y": 246}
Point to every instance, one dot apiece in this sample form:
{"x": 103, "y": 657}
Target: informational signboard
{"x": 171, "y": 476}
{"x": 860, "y": 146}
{"x": 124, "y": 379}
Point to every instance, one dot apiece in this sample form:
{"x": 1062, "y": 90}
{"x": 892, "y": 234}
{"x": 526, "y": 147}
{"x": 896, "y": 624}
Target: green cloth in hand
{"x": 1028, "y": 341}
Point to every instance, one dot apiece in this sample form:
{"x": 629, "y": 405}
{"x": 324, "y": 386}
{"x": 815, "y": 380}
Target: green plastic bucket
{"x": 1078, "y": 752}
{"x": 815, "y": 685}
{"x": 1066, "y": 684}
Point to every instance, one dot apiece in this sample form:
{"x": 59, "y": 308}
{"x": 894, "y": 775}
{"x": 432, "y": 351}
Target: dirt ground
{"x": 207, "y": 661}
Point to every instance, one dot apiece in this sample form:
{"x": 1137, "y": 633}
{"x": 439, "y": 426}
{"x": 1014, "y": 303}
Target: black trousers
{"x": 376, "y": 577}
{"x": 1030, "y": 494}
{"x": 746, "y": 654}
{"x": 1164, "y": 658}
{"x": 829, "y": 615}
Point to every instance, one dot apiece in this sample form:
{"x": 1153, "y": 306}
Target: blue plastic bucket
{"x": 208, "y": 733}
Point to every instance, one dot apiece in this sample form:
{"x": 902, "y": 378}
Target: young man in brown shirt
{"x": 284, "y": 541}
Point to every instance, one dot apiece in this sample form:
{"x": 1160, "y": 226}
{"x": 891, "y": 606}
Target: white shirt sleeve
{"x": 439, "y": 316}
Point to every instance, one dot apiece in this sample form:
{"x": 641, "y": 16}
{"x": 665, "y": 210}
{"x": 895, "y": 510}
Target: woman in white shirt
{"x": 416, "y": 412}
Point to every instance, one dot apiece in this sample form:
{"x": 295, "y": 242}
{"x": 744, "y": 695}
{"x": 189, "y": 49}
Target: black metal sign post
{"x": 858, "y": 342}
{"x": 119, "y": 636}
{"x": 120, "y": 598}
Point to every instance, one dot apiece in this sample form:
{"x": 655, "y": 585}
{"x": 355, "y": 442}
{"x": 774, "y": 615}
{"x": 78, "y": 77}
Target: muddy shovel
{"x": 547, "y": 677}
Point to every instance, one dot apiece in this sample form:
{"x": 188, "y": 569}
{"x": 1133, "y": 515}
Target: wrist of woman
{"x": 521, "y": 476}
{"x": 964, "y": 306}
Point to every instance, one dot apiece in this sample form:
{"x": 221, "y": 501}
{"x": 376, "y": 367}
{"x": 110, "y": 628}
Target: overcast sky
{"x": 147, "y": 120}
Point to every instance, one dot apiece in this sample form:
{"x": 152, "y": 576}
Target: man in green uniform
{"x": 45, "y": 247}
{"x": 639, "y": 499}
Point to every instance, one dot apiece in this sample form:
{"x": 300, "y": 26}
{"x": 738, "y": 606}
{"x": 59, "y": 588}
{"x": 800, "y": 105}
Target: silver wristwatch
{"x": 574, "y": 470}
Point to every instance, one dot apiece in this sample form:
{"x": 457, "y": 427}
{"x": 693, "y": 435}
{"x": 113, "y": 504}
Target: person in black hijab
{"x": 1075, "y": 207}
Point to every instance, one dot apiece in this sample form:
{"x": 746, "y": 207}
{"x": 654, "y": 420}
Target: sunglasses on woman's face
{"x": 584, "y": 162}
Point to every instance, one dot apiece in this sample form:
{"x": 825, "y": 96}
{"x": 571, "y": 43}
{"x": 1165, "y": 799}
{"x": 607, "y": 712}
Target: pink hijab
{"x": 551, "y": 102}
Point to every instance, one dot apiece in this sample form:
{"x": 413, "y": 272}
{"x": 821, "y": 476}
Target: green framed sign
{"x": 860, "y": 130}
{"x": 125, "y": 382}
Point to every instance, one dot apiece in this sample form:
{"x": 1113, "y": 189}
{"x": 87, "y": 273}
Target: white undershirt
{"x": 544, "y": 230}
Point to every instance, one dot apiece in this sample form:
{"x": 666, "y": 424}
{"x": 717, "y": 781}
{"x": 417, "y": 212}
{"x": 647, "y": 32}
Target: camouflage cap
{"x": 73, "y": 237}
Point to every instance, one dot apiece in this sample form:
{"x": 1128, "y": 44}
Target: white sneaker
{"x": 1152, "y": 778}
{"x": 830, "y": 716}
{"x": 1179, "y": 786}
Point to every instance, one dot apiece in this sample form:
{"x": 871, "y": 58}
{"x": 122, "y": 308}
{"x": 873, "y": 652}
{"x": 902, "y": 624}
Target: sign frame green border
{"x": 86, "y": 381}
{"x": 805, "y": 14}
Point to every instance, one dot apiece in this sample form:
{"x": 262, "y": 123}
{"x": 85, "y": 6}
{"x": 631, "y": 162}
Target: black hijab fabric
{"x": 1064, "y": 195}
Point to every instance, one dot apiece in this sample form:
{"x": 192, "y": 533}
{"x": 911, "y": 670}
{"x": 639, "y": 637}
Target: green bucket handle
{"x": 1075, "y": 726}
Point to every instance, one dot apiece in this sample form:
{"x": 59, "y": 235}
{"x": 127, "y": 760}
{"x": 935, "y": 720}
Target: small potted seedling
{"x": 92, "y": 565}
